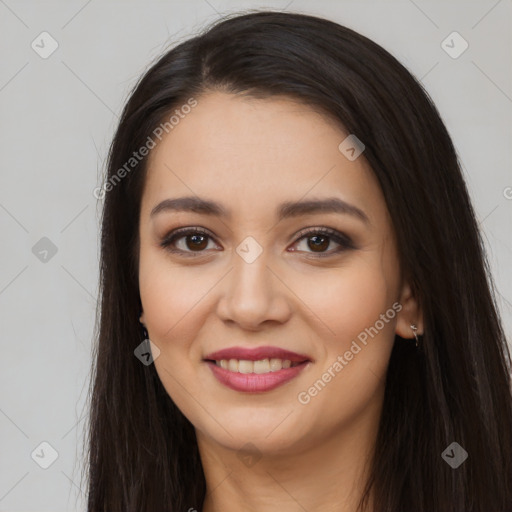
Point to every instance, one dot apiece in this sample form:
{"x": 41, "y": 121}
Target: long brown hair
{"x": 143, "y": 452}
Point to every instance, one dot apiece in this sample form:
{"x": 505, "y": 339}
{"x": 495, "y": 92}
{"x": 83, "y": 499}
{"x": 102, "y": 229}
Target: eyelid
{"x": 324, "y": 230}
{"x": 178, "y": 233}
{"x": 344, "y": 241}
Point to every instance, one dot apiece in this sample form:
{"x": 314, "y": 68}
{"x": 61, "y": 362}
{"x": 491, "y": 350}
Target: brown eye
{"x": 195, "y": 240}
{"x": 319, "y": 240}
{"x": 318, "y": 243}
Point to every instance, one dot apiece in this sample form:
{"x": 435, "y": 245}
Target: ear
{"x": 141, "y": 318}
{"x": 409, "y": 314}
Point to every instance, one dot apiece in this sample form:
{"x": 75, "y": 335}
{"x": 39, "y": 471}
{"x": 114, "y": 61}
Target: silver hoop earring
{"x": 414, "y": 329}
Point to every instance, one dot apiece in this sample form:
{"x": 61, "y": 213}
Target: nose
{"x": 253, "y": 294}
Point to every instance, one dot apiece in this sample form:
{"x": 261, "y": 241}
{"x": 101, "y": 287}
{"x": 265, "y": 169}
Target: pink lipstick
{"x": 265, "y": 368}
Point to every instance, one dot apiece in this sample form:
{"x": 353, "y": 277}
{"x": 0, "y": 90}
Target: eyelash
{"x": 340, "y": 238}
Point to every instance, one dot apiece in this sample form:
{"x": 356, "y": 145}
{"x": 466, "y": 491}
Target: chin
{"x": 270, "y": 435}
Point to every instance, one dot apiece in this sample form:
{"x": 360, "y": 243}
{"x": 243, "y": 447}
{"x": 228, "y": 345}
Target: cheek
{"x": 355, "y": 342}
{"x": 172, "y": 298}
{"x": 346, "y": 301}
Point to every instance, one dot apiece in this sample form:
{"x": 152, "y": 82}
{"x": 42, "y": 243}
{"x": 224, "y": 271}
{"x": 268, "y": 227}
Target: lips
{"x": 253, "y": 382}
{"x": 256, "y": 354}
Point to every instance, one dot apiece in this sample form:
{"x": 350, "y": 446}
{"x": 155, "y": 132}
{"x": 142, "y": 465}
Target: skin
{"x": 251, "y": 155}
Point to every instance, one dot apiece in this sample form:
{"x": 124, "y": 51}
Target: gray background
{"x": 57, "y": 117}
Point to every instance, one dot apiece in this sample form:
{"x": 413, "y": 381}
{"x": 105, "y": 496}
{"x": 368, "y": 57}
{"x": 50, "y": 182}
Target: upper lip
{"x": 257, "y": 354}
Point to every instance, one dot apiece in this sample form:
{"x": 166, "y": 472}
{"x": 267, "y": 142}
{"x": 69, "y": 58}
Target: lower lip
{"x": 255, "y": 382}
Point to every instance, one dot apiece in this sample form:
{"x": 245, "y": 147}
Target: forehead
{"x": 241, "y": 150}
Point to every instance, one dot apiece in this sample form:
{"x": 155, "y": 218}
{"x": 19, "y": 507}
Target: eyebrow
{"x": 285, "y": 210}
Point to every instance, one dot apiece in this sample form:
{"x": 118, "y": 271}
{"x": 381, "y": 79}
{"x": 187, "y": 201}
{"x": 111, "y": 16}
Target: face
{"x": 323, "y": 284}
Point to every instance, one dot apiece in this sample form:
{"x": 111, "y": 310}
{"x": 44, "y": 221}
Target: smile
{"x": 253, "y": 382}
{"x": 261, "y": 366}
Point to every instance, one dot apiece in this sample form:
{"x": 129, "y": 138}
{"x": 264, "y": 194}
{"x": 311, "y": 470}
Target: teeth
{"x": 275, "y": 365}
{"x": 262, "y": 366}
{"x": 243, "y": 366}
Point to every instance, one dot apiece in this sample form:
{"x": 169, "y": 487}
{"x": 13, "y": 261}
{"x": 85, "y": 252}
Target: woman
{"x": 286, "y": 220}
